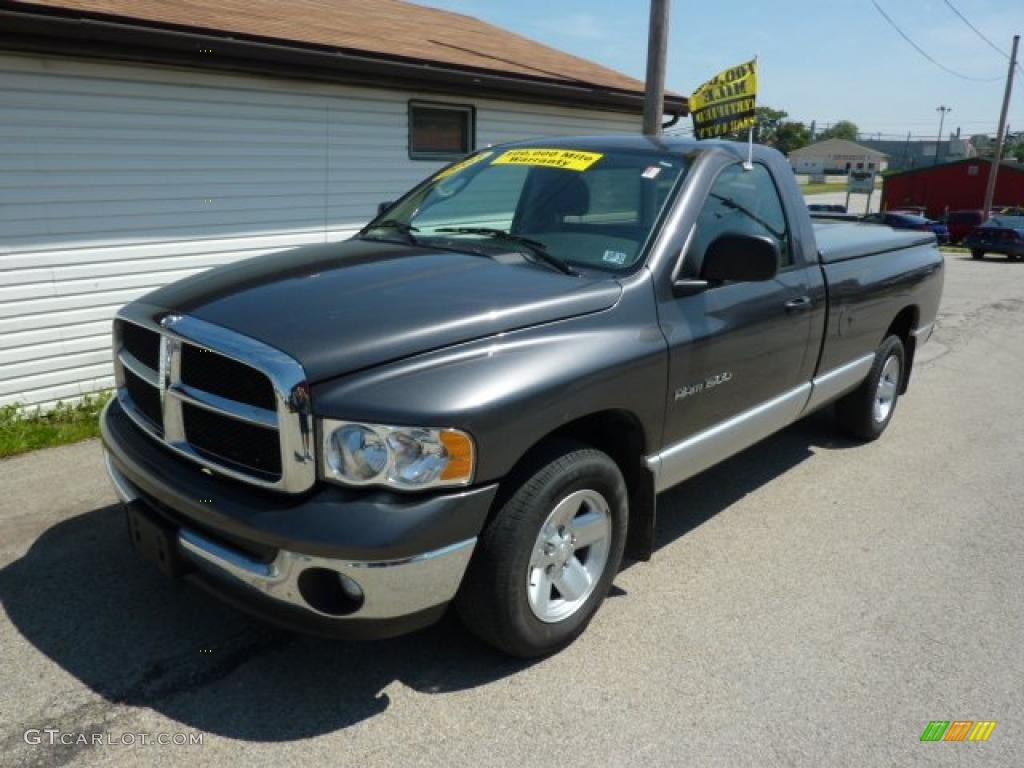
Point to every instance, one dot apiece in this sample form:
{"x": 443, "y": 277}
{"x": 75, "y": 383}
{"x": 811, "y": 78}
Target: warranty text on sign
{"x": 567, "y": 159}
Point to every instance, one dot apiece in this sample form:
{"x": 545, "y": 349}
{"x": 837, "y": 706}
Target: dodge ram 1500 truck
{"x": 477, "y": 399}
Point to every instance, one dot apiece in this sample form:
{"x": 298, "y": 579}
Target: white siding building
{"x": 837, "y": 156}
{"x": 117, "y": 177}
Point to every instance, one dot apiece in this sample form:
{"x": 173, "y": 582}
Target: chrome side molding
{"x": 687, "y": 458}
{"x": 838, "y": 382}
{"x": 924, "y": 333}
{"x": 693, "y": 455}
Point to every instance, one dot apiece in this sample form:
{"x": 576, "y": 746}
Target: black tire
{"x": 856, "y": 411}
{"x": 977, "y": 254}
{"x": 493, "y": 600}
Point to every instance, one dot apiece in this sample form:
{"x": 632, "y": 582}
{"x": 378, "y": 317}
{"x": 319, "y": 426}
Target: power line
{"x": 979, "y": 33}
{"x": 924, "y": 53}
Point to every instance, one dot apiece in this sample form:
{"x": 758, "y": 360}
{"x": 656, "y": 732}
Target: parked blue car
{"x": 903, "y": 220}
{"x": 1000, "y": 234}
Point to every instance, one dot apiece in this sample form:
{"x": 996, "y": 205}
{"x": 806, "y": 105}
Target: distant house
{"x": 837, "y": 156}
{"x": 146, "y": 140}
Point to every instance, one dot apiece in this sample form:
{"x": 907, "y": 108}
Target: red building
{"x": 955, "y": 186}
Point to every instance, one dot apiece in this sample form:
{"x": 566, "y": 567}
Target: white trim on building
{"x": 837, "y": 156}
{"x": 116, "y": 178}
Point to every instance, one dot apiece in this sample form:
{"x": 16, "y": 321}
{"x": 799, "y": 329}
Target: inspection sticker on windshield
{"x": 567, "y": 159}
{"x": 614, "y": 257}
{"x": 463, "y": 165}
{"x": 651, "y": 172}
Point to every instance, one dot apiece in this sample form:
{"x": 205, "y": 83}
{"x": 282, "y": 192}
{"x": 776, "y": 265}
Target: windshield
{"x": 584, "y": 208}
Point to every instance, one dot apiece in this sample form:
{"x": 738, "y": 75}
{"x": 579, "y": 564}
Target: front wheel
{"x": 977, "y": 254}
{"x": 867, "y": 411}
{"x": 544, "y": 564}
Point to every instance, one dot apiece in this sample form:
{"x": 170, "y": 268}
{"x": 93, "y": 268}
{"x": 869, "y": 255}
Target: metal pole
{"x": 657, "y": 52}
{"x": 942, "y": 119}
{"x": 993, "y": 172}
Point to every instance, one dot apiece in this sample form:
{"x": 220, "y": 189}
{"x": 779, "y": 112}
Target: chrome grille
{"x": 223, "y": 400}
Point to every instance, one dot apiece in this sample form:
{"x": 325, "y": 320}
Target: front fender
{"x": 511, "y": 390}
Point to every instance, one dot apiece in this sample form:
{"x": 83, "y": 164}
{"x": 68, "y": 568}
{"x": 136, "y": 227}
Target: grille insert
{"x": 142, "y": 343}
{"x": 219, "y": 375}
{"x": 224, "y": 438}
{"x": 146, "y": 399}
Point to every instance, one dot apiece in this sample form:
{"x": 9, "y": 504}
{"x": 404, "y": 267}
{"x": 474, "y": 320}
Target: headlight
{"x": 409, "y": 458}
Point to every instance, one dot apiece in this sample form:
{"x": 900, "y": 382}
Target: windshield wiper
{"x": 395, "y": 224}
{"x": 728, "y": 202}
{"x": 534, "y": 247}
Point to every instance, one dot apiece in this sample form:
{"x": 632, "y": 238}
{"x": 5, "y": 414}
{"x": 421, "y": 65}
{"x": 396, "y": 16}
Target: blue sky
{"x": 820, "y": 60}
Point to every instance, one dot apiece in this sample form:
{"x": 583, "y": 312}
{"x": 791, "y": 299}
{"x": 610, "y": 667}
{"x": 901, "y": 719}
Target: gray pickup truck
{"x": 477, "y": 399}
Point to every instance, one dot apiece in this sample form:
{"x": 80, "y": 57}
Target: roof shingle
{"x": 389, "y": 28}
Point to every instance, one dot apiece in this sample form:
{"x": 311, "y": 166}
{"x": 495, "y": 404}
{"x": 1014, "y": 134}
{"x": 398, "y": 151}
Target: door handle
{"x": 801, "y": 304}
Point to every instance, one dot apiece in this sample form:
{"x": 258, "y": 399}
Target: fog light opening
{"x": 330, "y": 592}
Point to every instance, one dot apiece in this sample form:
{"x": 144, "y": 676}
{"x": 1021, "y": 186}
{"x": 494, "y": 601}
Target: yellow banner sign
{"x": 567, "y": 159}
{"x": 726, "y": 103}
{"x": 462, "y": 165}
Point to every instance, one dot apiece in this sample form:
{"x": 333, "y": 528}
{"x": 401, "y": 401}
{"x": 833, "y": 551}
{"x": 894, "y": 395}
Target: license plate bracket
{"x": 154, "y": 539}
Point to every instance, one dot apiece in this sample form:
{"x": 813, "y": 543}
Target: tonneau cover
{"x": 842, "y": 240}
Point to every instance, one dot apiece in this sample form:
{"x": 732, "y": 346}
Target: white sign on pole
{"x": 861, "y": 182}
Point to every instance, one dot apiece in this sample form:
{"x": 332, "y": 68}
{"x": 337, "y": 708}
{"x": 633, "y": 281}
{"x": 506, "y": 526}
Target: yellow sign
{"x": 567, "y": 159}
{"x": 462, "y": 165}
{"x": 725, "y": 103}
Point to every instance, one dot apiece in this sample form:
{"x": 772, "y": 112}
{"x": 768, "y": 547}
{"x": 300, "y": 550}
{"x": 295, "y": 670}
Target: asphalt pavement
{"x": 812, "y": 602}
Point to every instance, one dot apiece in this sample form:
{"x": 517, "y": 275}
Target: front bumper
{"x": 333, "y": 561}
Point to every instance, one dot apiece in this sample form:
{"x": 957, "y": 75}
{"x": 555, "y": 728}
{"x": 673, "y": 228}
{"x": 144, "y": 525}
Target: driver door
{"x": 735, "y": 347}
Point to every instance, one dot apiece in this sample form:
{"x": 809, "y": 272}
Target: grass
{"x": 818, "y": 188}
{"x": 22, "y": 430}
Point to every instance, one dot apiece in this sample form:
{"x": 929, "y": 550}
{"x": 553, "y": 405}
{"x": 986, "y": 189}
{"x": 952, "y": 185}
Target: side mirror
{"x": 382, "y": 207}
{"x": 741, "y": 259}
{"x": 734, "y": 257}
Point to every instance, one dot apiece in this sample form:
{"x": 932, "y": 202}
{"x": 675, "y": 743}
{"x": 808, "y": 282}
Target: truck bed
{"x": 842, "y": 240}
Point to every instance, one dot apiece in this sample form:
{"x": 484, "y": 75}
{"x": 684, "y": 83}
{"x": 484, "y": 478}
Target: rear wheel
{"x": 545, "y": 563}
{"x": 977, "y": 254}
{"x": 867, "y": 411}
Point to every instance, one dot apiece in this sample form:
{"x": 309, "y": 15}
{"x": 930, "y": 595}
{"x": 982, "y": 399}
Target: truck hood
{"x": 341, "y": 307}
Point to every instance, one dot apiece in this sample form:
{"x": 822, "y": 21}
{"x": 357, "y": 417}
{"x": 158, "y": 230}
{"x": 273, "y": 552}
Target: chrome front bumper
{"x": 388, "y": 588}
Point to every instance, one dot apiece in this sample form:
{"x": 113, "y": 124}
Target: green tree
{"x": 791, "y": 135}
{"x": 773, "y": 129}
{"x": 844, "y": 129}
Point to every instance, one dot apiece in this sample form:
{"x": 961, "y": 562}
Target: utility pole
{"x": 657, "y": 52}
{"x": 942, "y": 119}
{"x": 993, "y": 172}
